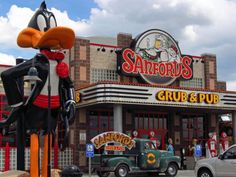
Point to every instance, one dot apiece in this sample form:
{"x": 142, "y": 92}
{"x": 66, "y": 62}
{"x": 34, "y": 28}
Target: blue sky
{"x": 75, "y": 8}
{"x": 200, "y": 26}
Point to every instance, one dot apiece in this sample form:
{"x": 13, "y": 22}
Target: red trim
{"x": 42, "y": 101}
{"x": 53, "y": 55}
{"x": 157, "y": 86}
{"x": 196, "y": 57}
{"x": 6, "y": 66}
{"x": 114, "y": 46}
{"x": 104, "y": 45}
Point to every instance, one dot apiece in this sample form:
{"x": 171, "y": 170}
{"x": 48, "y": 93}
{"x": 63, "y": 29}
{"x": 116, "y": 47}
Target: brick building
{"x": 110, "y": 99}
{"x": 107, "y": 99}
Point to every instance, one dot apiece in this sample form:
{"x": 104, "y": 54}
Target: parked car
{"x": 143, "y": 158}
{"x": 222, "y": 166}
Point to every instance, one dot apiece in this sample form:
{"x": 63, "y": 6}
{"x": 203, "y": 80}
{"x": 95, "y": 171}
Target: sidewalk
{"x": 181, "y": 173}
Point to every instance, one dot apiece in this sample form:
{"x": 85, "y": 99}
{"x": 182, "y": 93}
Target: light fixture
{"x": 117, "y": 51}
{"x": 98, "y": 49}
{"x": 32, "y": 76}
{"x": 202, "y": 61}
{"x": 111, "y": 50}
{"x": 103, "y": 49}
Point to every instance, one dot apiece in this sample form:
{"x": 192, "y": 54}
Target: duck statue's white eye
{"x": 52, "y": 22}
{"x": 41, "y": 22}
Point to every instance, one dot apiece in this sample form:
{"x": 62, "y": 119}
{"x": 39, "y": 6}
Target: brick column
{"x": 80, "y": 61}
{"x": 124, "y": 40}
{"x": 210, "y": 71}
{"x": 79, "y": 58}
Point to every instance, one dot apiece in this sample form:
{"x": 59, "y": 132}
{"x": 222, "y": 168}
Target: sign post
{"x": 89, "y": 154}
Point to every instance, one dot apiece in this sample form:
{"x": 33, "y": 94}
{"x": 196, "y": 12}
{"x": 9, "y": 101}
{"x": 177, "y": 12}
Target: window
{"x": 192, "y": 83}
{"x": 103, "y": 75}
{"x": 149, "y": 146}
{"x": 135, "y": 150}
{"x": 230, "y": 154}
{"x": 192, "y": 127}
{"x": 150, "y": 120}
{"x": 100, "y": 121}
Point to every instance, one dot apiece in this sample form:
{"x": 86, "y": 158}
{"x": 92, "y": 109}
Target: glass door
{"x": 193, "y": 128}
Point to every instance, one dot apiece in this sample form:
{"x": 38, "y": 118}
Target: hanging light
{"x": 103, "y": 49}
{"x": 32, "y": 76}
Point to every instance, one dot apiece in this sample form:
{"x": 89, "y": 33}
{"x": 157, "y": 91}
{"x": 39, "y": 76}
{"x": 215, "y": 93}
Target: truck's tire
{"x": 172, "y": 170}
{"x": 122, "y": 171}
{"x": 103, "y": 174}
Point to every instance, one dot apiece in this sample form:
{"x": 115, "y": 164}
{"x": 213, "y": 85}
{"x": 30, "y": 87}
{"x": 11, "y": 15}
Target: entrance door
{"x": 193, "y": 127}
{"x": 145, "y": 123}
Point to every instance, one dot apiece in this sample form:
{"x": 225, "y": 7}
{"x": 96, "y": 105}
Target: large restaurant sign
{"x": 156, "y": 58}
{"x": 136, "y": 94}
{"x": 106, "y": 138}
{"x": 191, "y": 97}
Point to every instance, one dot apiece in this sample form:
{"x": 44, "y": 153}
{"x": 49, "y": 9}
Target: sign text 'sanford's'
{"x": 193, "y": 97}
{"x": 135, "y": 64}
{"x": 156, "y": 58}
{"x": 112, "y": 137}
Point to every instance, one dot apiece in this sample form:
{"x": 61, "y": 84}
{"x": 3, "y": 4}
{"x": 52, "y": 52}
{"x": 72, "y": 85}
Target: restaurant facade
{"x": 144, "y": 86}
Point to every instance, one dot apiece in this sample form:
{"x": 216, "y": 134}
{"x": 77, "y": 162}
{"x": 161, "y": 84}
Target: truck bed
{"x": 98, "y": 158}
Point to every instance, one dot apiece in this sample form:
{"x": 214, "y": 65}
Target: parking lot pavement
{"x": 185, "y": 173}
{"x": 181, "y": 173}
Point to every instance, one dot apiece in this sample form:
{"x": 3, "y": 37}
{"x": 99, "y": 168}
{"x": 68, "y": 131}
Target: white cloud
{"x": 190, "y": 33}
{"x": 6, "y": 59}
{"x": 15, "y": 20}
{"x": 231, "y": 85}
{"x": 80, "y": 27}
{"x": 200, "y": 26}
{"x": 156, "y": 6}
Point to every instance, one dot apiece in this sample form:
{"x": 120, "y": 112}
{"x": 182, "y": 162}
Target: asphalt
{"x": 181, "y": 173}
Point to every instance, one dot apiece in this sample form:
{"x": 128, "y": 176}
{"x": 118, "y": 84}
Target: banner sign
{"x": 192, "y": 97}
{"x": 156, "y": 57}
{"x": 113, "y": 137}
{"x": 89, "y": 150}
{"x": 198, "y": 150}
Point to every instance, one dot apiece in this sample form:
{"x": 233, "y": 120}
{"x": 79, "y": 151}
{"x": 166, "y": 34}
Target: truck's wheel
{"x": 172, "y": 170}
{"x": 102, "y": 174}
{"x": 122, "y": 171}
{"x": 204, "y": 173}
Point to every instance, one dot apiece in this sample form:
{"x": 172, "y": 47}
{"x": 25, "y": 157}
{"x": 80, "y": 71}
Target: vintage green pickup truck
{"x": 143, "y": 158}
